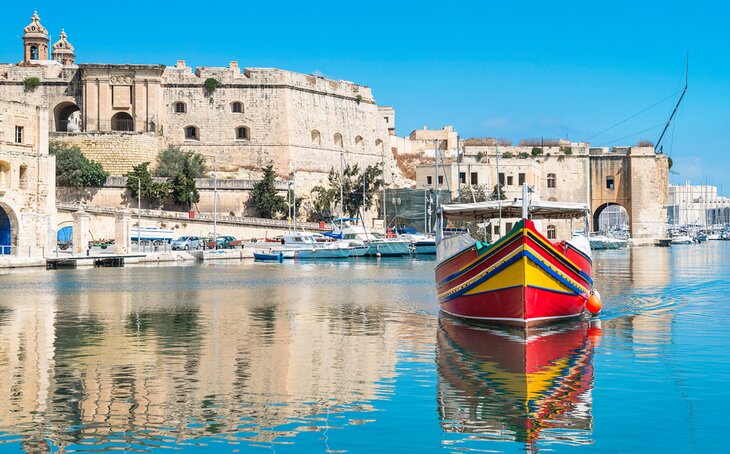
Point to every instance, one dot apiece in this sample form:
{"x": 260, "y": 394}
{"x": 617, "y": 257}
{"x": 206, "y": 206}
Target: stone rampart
{"x": 117, "y": 152}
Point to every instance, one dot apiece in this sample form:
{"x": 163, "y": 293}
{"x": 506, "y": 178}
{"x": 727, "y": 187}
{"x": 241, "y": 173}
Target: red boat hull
{"x": 522, "y": 279}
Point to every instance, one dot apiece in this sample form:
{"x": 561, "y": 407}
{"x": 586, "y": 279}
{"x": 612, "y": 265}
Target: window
{"x": 359, "y": 142}
{"x": 508, "y": 227}
{"x": 33, "y": 52}
{"x": 510, "y": 180}
{"x": 501, "y": 179}
{"x": 191, "y": 133}
{"x": 237, "y": 107}
{"x": 474, "y": 178}
{"x": 23, "y": 176}
{"x": 122, "y": 121}
{"x": 429, "y": 180}
{"x": 521, "y": 179}
{"x": 316, "y": 137}
{"x": 180, "y": 107}
{"x": 496, "y": 230}
{"x": 441, "y": 179}
{"x": 338, "y": 140}
{"x": 242, "y": 133}
{"x": 462, "y": 177}
{"x": 18, "y": 134}
{"x": 4, "y": 174}
{"x": 609, "y": 183}
{"x": 551, "y": 180}
{"x": 551, "y": 232}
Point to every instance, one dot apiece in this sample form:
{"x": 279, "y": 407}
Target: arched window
{"x": 192, "y": 133}
{"x": 338, "y": 140}
{"x": 551, "y": 232}
{"x": 34, "y": 52}
{"x": 243, "y": 133}
{"x": 359, "y": 142}
{"x": 122, "y": 121}
{"x": 180, "y": 107}
{"x": 316, "y": 137}
{"x": 4, "y": 174}
{"x": 551, "y": 180}
{"x": 237, "y": 107}
{"x": 379, "y": 144}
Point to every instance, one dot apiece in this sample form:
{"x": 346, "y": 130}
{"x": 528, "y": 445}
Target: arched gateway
{"x": 610, "y": 215}
{"x": 8, "y": 230}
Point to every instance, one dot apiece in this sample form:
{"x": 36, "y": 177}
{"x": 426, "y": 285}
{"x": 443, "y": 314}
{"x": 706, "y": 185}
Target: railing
{"x": 122, "y": 124}
{"x": 184, "y": 217}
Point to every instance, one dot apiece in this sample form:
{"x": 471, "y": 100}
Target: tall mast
{"x": 436, "y": 156}
{"x": 686, "y": 83}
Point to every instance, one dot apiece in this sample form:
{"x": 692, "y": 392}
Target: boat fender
{"x": 594, "y": 303}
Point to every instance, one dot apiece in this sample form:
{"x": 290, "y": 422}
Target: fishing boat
{"x": 517, "y": 385}
{"x": 420, "y": 244}
{"x": 376, "y": 244}
{"x": 304, "y": 246}
{"x": 522, "y": 278}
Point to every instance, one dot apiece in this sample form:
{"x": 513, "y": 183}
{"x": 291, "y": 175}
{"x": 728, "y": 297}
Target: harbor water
{"x": 353, "y": 356}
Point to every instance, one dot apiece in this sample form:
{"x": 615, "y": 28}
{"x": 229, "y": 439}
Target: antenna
{"x": 686, "y": 84}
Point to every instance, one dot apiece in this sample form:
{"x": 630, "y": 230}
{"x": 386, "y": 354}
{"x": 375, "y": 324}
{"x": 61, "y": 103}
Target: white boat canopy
{"x": 537, "y": 209}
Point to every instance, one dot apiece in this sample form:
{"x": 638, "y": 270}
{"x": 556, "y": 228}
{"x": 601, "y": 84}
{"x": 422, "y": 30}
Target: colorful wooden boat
{"x": 524, "y": 385}
{"x": 522, "y": 278}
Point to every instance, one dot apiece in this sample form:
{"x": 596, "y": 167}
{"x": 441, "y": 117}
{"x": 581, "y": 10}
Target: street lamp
{"x": 139, "y": 206}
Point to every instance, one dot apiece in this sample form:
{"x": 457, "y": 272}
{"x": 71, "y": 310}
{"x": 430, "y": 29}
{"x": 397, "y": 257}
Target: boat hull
{"x": 522, "y": 279}
{"x": 388, "y": 249}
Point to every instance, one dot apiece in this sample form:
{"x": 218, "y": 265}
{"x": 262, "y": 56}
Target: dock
{"x": 98, "y": 261}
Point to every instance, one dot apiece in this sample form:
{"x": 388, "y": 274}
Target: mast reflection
{"x": 503, "y": 384}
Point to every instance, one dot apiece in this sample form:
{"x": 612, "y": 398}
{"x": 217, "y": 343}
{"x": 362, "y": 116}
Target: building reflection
{"x": 116, "y": 369}
{"x": 501, "y": 384}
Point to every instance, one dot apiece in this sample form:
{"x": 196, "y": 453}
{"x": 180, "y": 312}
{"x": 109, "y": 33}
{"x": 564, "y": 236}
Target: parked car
{"x": 224, "y": 242}
{"x": 186, "y": 243}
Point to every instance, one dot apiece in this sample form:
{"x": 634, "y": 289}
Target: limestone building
{"x": 635, "y": 178}
{"x": 697, "y": 205}
{"x": 123, "y": 114}
{"x": 27, "y": 181}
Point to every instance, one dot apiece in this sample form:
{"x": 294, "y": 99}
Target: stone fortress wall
{"x": 255, "y": 117}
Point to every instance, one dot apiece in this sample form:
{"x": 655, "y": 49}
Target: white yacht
{"x": 377, "y": 245}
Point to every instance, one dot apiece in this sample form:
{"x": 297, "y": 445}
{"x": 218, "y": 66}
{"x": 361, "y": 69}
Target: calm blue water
{"x": 353, "y": 357}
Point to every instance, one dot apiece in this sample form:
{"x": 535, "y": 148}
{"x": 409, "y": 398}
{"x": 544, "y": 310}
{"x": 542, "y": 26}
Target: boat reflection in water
{"x": 525, "y": 385}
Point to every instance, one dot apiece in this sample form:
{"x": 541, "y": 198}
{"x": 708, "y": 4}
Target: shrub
{"x": 151, "y": 190}
{"x": 480, "y": 156}
{"x": 536, "y": 151}
{"x": 568, "y": 151}
{"x": 73, "y": 169}
{"x": 523, "y": 155}
{"x": 264, "y": 195}
{"x": 358, "y": 99}
{"x": 211, "y": 85}
{"x": 507, "y": 155}
{"x": 31, "y": 83}
{"x": 172, "y": 160}
{"x": 645, "y": 143}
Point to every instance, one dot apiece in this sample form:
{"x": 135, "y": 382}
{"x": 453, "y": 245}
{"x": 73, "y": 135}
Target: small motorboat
{"x": 682, "y": 239}
{"x": 606, "y": 242}
{"x": 663, "y": 242}
{"x": 271, "y": 256}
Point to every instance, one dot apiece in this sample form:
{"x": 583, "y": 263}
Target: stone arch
{"x": 23, "y": 176}
{"x": 122, "y": 121}
{"x": 598, "y": 221}
{"x": 359, "y": 142}
{"x": 243, "y": 133}
{"x": 316, "y": 137}
{"x": 8, "y": 229}
{"x": 192, "y": 132}
{"x": 4, "y": 174}
{"x": 67, "y": 117}
{"x": 379, "y": 145}
{"x": 338, "y": 140}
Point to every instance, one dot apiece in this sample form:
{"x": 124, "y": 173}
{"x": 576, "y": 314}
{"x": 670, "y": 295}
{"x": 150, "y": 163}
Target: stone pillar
{"x": 81, "y": 232}
{"x": 122, "y": 239}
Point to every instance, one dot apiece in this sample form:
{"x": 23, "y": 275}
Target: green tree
{"x": 266, "y": 200}
{"x": 74, "y": 169}
{"x": 323, "y": 203}
{"x": 152, "y": 191}
{"x": 182, "y": 186}
{"x": 172, "y": 160}
{"x": 498, "y": 193}
{"x": 351, "y": 180}
{"x": 536, "y": 151}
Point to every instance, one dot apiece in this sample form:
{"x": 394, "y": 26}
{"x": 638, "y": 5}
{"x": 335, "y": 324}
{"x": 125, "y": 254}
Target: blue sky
{"x": 514, "y": 69}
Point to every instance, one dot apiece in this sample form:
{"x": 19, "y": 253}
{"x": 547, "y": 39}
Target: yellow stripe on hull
{"x": 512, "y": 276}
{"x": 538, "y": 277}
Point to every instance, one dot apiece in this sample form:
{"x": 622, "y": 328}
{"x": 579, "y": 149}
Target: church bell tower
{"x": 35, "y": 41}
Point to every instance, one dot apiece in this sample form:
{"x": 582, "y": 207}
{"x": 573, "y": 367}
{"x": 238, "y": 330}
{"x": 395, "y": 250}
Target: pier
{"x": 98, "y": 261}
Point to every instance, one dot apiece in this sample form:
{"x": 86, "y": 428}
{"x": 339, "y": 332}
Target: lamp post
{"x": 215, "y": 200}
{"x": 139, "y": 207}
